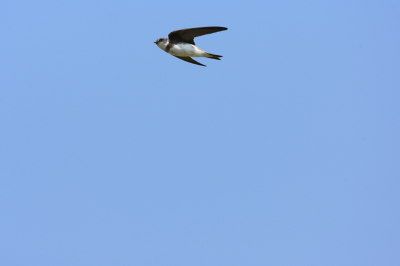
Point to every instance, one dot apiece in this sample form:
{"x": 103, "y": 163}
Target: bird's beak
{"x": 155, "y": 42}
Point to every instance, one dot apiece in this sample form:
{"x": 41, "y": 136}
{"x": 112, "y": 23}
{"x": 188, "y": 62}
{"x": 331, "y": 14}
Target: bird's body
{"x": 182, "y": 49}
{"x": 180, "y": 43}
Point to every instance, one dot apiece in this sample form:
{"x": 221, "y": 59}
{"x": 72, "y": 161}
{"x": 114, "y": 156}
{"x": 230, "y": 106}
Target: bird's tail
{"x": 214, "y": 56}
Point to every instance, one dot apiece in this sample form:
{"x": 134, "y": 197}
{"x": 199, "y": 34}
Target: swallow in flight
{"x": 180, "y": 43}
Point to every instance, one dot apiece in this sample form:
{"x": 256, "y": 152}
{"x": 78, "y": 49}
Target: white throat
{"x": 163, "y": 45}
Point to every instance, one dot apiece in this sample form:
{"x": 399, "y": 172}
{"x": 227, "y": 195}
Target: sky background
{"x": 285, "y": 152}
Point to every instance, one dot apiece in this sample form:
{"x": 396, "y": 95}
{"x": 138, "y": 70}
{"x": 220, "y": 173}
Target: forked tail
{"x": 214, "y": 56}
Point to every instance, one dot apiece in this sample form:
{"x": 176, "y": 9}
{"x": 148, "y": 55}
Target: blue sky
{"x": 285, "y": 152}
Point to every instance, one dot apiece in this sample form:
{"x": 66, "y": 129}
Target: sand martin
{"x": 180, "y": 43}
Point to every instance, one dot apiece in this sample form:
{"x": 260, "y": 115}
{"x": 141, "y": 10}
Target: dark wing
{"x": 189, "y": 59}
{"x": 187, "y": 35}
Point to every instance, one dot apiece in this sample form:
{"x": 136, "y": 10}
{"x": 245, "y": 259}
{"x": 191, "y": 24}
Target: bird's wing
{"x": 189, "y": 59}
{"x": 187, "y": 35}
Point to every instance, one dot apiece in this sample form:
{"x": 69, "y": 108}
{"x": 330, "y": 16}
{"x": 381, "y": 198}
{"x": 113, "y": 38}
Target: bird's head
{"x": 162, "y": 42}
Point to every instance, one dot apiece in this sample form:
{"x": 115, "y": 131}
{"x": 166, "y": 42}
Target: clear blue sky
{"x": 285, "y": 152}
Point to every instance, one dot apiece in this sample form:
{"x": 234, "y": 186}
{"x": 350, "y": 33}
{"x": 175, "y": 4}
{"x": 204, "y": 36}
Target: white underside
{"x": 184, "y": 49}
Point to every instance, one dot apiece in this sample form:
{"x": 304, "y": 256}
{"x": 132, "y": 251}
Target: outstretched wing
{"x": 189, "y": 59}
{"x": 187, "y": 35}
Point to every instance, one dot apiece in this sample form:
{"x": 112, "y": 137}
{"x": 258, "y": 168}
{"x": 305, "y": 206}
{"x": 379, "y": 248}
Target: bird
{"x": 180, "y": 43}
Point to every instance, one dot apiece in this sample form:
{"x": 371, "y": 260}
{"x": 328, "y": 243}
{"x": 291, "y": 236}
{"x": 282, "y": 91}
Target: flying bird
{"x": 180, "y": 43}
